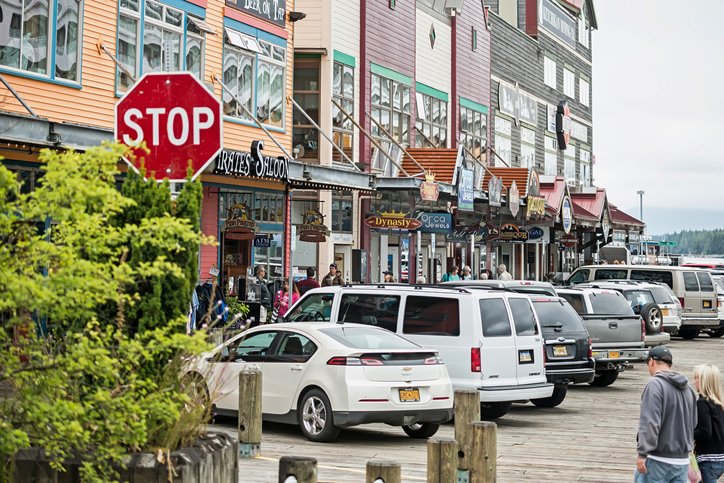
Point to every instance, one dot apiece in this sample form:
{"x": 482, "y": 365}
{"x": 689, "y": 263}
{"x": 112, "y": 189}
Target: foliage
{"x": 698, "y": 242}
{"x": 237, "y": 310}
{"x": 112, "y": 279}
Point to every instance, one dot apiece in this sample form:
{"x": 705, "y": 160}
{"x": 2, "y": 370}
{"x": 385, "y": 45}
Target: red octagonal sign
{"x": 177, "y": 117}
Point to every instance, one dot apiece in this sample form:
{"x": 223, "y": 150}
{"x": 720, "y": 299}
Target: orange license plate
{"x": 409, "y": 395}
{"x": 560, "y": 350}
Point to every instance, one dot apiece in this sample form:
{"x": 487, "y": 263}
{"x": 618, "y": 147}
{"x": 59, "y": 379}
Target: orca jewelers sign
{"x": 253, "y": 164}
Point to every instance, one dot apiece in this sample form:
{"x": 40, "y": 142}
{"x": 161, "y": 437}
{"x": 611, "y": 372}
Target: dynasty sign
{"x": 398, "y": 221}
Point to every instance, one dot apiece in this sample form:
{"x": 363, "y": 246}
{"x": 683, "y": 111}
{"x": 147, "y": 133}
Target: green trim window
{"x": 238, "y": 75}
{"x": 475, "y": 39}
{"x": 306, "y": 94}
{"x": 343, "y": 94}
{"x": 391, "y": 108}
{"x": 431, "y": 120}
{"x": 474, "y": 130}
{"x": 29, "y": 44}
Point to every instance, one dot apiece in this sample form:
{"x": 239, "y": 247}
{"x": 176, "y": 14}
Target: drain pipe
{"x": 17, "y": 96}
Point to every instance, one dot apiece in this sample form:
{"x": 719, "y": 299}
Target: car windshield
{"x": 556, "y": 313}
{"x": 661, "y": 295}
{"x": 610, "y": 303}
{"x": 314, "y": 307}
{"x": 368, "y": 338}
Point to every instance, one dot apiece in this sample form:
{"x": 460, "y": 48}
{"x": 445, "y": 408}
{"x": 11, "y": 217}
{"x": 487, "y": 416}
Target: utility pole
{"x": 641, "y": 203}
{"x": 641, "y": 218}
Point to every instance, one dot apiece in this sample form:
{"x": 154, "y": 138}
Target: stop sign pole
{"x": 179, "y": 119}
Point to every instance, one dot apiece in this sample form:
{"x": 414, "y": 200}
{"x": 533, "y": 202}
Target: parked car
{"x": 568, "y": 352}
{"x": 719, "y": 282}
{"x": 490, "y": 339}
{"x": 520, "y": 286}
{"x": 617, "y": 334}
{"x": 693, "y": 287}
{"x": 324, "y": 376}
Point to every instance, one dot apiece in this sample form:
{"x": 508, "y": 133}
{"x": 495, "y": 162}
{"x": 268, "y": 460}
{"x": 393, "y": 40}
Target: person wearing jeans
{"x": 709, "y": 431}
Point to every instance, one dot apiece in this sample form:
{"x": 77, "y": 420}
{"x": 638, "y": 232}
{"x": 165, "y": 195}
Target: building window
{"x": 585, "y": 91}
{"x": 474, "y": 131}
{"x": 549, "y": 71}
{"x": 475, "y": 39}
{"x": 527, "y": 148}
{"x": 503, "y": 132}
{"x": 342, "y": 215}
{"x": 343, "y": 94}
{"x": 432, "y": 121}
{"x": 551, "y": 156}
{"x": 391, "y": 108}
{"x": 583, "y": 28}
{"x": 28, "y": 39}
{"x": 585, "y": 167}
{"x": 306, "y": 94}
{"x": 195, "y": 47}
{"x": 238, "y": 76}
{"x": 569, "y": 83}
{"x": 569, "y": 156}
{"x": 270, "y": 68}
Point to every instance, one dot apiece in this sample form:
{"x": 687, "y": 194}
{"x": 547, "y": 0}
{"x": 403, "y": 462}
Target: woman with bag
{"x": 281, "y": 301}
{"x": 709, "y": 431}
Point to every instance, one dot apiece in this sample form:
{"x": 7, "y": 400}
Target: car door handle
{"x": 297, "y": 368}
{"x": 613, "y": 325}
{"x": 688, "y": 309}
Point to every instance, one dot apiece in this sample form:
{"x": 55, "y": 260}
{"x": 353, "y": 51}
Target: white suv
{"x": 489, "y": 339}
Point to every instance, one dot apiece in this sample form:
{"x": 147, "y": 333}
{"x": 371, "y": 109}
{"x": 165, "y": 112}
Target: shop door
{"x": 393, "y": 263}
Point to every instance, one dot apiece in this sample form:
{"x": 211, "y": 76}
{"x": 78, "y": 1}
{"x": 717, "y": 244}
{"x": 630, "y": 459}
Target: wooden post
{"x": 217, "y": 336}
{"x": 485, "y": 452}
{"x": 442, "y": 460}
{"x": 383, "y": 471}
{"x": 467, "y": 410}
{"x": 303, "y": 468}
{"x": 250, "y": 413}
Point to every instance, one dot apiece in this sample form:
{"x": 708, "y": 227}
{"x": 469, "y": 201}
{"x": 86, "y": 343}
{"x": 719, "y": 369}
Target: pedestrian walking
{"x": 451, "y": 275}
{"x": 259, "y": 273}
{"x": 709, "y": 431}
{"x": 666, "y": 424}
{"x": 466, "y": 274}
{"x": 282, "y": 300}
{"x": 308, "y": 283}
{"x": 389, "y": 277}
{"x": 334, "y": 277}
{"x": 503, "y": 273}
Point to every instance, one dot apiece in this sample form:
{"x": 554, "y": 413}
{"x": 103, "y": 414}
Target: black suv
{"x": 567, "y": 347}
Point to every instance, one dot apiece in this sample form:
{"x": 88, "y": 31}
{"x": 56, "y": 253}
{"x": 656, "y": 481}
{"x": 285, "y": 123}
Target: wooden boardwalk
{"x": 591, "y": 437}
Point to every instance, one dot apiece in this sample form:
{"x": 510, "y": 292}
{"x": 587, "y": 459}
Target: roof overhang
{"x": 314, "y": 176}
{"x": 39, "y": 131}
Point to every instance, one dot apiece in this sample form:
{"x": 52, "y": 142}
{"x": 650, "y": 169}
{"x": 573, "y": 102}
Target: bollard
{"x": 485, "y": 452}
{"x": 467, "y": 410}
{"x": 383, "y": 471}
{"x": 297, "y": 469}
{"x": 442, "y": 460}
{"x": 250, "y": 413}
{"x": 217, "y": 337}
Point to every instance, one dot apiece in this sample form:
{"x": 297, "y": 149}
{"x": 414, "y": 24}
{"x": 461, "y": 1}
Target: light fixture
{"x": 294, "y": 16}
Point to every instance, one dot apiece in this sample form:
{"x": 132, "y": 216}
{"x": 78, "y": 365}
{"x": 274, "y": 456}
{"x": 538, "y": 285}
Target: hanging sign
{"x": 253, "y": 164}
{"x": 633, "y": 237}
{"x": 434, "y": 222}
{"x": 569, "y": 241}
{"x": 393, "y": 220}
{"x": 510, "y": 232}
{"x": 313, "y": 229}
{"x": 465, "y": 190}
{"x": 533, "y": 184}
{"x": 514, "y": 199}
{"x": 535, "y": 233}
{"x": 619, "y": 236}
{"x": 262, "y": 242}
{"x": 274, "y": 11}
{"x": 566, "y": 214}
{"x": 239, "y": 223}
{"x": 563, "y": 125}
{"x": 495, "y": 190}
{"x": 429, "y": 191}
{"x": 481, "y": 232}
{"x": 535, "y": 205}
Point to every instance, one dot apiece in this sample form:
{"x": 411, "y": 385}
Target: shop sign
{"x": 569, "y": 241}
{"x": 579, "y": 131}
{"x": 619, "y": 236}
{"x": 347, "y": 238}
{"x": 558, "y": 22}
{"x": 313, "y": 229}
{"x": 240, "y": 163}
{"x": 633, "y": 237}
{"x": 239, "y": 225}
{"x": 566, "y": 214}
{"x": 514, "y": 199}
{"x": 517, "y": 104}
{"x": 274, "y": 11}
{"x": 495, "y": 190}
{"x": 533, "y": 184}
{"x": 536, "y": 205}
{"x": 511, "y": 233}
{"x": 465, "y": 190}
{"x": 551, "y": 118}
{"x": 605, "y": 224}
{"x": 262, "y": 242}
{"x": 429, "y": 191}
{"x": 393, "y": 220}
{"x": 563, "y": 125}
{"x": 481, "y": 231}
{"x": 535, "y": 233}
{"x": 434, "y": 222}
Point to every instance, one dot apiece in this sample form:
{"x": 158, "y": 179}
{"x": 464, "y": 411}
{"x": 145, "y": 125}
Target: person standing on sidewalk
{"x": 666, "y": 424}
{"x": 709, "y": 431}
{"x": 334, "y": 277}
{"x": 308, "y": 283}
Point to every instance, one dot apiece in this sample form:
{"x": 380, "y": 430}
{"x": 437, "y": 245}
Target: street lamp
{"x": 641, "y": 197}
{"x": 641, "y": 218}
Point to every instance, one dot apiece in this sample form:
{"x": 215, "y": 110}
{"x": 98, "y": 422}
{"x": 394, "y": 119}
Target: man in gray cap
{"x": 666, "y": 425}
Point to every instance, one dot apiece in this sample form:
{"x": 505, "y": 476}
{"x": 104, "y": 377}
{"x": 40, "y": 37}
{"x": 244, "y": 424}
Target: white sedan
{"x": 324, "y": 376}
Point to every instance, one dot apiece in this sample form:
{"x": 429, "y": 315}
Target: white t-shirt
{"x": 671, "y": 461}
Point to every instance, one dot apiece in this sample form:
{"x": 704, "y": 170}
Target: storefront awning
{"x": 589, "y": 198}
{"x": 314, "y": 176}
{"x": 621, "y": 218}
{"x": 412, "y": 184}
{"x": 442, "y": 162}
{"x": 521, "y": 176}
{"x": 39, "y": 131}
{"x": 553, "y": 189}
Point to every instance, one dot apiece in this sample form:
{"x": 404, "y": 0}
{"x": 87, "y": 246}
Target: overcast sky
{"x": 658, "y": 108}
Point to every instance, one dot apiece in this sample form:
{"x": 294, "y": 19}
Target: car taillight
{"x": 718, "y": 303}
{"x": 643, "y": 329}
{"x": 681, "y": 301}
{"x": 344, "y": 361}
{"x": 433, "y": 360}
{"x": 590, "y": 348}
{"x": 475, "y": 365}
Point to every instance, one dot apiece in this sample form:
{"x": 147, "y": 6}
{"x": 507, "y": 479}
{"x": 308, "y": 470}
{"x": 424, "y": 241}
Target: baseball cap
{"x": 332, "y": 265}
{"x": 661, "y": 353}
{"x": 387, "y": 273}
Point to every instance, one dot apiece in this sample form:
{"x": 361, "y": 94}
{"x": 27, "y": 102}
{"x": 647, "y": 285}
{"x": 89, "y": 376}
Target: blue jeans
{"x": 658, "y": 472}
{"x": 711, "y": 471}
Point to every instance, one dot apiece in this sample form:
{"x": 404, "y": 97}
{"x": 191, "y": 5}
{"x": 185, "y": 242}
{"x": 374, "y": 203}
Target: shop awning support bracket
{"x": 299, "y": 108}
{"x": 426, "y": 138}
{"x": 102, "y": 48}
{"x": 368, "y": 136}
{"x": 253, "y": 117}
{"x": 423, "y": 170}
{"x": 17, "y": 96}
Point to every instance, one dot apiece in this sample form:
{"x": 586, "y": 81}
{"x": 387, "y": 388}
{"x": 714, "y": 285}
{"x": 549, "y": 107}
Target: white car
{"x": 324, "y": 376}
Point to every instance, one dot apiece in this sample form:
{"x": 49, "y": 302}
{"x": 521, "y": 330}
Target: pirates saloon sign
{"x": 253, "y": 164}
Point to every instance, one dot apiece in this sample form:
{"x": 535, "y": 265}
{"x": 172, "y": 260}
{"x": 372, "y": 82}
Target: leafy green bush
{"x": 112, "y": 280}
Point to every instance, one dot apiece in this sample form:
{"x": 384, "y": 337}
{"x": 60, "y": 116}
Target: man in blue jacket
{"x": 666, "y": 425}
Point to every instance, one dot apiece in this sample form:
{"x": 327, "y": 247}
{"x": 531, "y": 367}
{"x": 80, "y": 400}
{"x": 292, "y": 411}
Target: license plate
{"x": 707, "y": 304}
{"x": 664, "y": 311}
{"x": 409, "y": 395}
{"x": 560, "y": 350}
{"x": 613, "y": 354}
{"x": 524, "y": 356}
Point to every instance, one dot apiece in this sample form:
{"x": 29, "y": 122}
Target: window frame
{"x": 503, "y": 134}
{"x": 262, "y": 58}
{"x": 391, "y": 111}
{"x": 422, "y": 123}
{"x": 200, "y": 37}
{"x": 339, "y": 132}
{"x": 569, "y": 164}
{"x": 304, "y": 127}
{"x": 527, "y": 155}
{"x": 569, "y": 82}
{"x": 585, "y": 100}
{"x": 466, "y": 136}
{"x": 549, "y": 71}
{"x": 550, "y": 148}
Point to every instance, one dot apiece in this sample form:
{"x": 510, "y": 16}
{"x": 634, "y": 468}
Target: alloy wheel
{"x": 655, "y": 317}
{"x": 314, "y": 415}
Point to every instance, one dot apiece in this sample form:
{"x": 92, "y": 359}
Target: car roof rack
{"x": 367, "y": 286}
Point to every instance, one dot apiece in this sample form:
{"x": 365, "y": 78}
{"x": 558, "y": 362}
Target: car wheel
{"x": 315, "y": 417}
{"x": 421, "y": 430}
{"x": 604, "y": 378}
{"x": 689, "y": 334}
{"x": 493, "y": 410}
{"x": 559, "y": 394}
{"x": 652, "y": 317}
{"x": 717, "y": 333}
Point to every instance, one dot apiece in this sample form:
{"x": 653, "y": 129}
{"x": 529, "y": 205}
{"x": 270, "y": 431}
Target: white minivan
{"x": 489, "y": 339}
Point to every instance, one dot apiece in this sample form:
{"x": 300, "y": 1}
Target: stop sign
{"x": 177, "y": 117}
